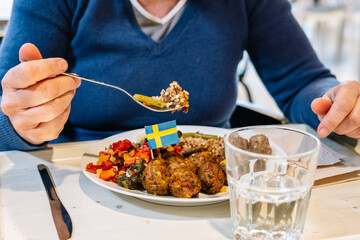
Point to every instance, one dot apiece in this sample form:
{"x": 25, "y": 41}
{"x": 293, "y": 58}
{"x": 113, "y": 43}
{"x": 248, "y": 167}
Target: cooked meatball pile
{"x": 184, "y": 177}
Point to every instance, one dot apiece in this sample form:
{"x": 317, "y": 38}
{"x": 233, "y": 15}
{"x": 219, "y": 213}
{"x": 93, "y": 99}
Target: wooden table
{"x": 98, "y": 213}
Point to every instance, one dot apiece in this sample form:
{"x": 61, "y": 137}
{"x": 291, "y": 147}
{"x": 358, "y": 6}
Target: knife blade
{"x": 60, "y": 216}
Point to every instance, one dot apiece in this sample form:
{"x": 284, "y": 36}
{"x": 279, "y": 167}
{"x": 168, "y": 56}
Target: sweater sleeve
{"x": 47, "y": 24}
{"x": 285, "y": 60}
{"x": 10, "y": 140}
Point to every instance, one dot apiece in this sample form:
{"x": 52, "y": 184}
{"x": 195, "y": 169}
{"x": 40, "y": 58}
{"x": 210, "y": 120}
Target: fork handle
{"x": 74, "y": 75}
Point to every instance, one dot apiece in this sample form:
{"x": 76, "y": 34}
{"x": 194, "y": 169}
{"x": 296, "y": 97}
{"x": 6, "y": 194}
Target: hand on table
{"x": 339, "y": 110}
{"x": 37, "y": 100}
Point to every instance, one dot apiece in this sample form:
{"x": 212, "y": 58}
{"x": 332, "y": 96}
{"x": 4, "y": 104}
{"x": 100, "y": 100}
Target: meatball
{"x": 184, "y": 183}
{"x": 239, "y": 142}
{"x": 191, "y": 165}
{"x": 155, "y": 177}
{"x": 223, "y": 167}
{"x": 200, "y": 157}
{"x": 260, "y": 165}
{"x": 212, "y": 177}
{"x": 175, "y": 163}
{"x": 260, "y": 144}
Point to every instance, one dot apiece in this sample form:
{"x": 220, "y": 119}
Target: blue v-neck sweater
{"x": 101, "y": 40}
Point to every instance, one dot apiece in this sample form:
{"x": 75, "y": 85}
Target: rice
{"x": 215, "y": 146}
{"x": 174, "y": 96}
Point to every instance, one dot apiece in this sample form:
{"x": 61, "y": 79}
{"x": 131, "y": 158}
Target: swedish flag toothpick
{"x": 162, "y": 134}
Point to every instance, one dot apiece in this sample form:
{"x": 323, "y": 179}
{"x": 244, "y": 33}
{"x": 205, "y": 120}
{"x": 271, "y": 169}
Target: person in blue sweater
{"x": 142, "y": 46}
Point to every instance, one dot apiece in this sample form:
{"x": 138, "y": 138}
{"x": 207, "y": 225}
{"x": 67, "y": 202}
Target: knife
{"x": 61, "y": 217}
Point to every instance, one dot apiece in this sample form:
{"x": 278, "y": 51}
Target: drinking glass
{"x": 270, "y": 172}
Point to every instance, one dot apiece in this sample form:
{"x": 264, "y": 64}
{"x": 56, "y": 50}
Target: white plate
{"x": 91, "y": 155}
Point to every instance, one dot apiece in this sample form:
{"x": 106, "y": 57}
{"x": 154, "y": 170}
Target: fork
{"x": 151, "y": 108}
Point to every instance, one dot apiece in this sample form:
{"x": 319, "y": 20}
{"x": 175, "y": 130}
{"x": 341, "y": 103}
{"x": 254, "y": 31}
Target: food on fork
{"x": 150, "y": 101}
{"x": 173, "y": 97}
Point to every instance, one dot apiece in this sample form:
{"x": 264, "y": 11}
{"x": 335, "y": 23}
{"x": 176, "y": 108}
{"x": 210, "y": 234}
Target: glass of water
{"x": 270, "y": 172}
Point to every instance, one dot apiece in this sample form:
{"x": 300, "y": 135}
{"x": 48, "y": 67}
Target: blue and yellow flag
{"x": 162, "y": 134}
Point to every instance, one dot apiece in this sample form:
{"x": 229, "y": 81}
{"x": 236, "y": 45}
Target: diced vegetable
{"x": 103, "y": 156}
{"x": 106, "y": 174}
{"x": 122, "y": 145}
{"x": 199, "y": 135}
{"x": 131, "y": 178}
{"x": 150, "y": 101}
{"x": 177, "y": 149}
{"x": 107, "y": 164}
{"x": 90, "y": 167}
{"x": 129, "y": 161}
{"x": 128, "y": 155}
{"x": 188, "y": 152}
{"x": 143, "y": 155}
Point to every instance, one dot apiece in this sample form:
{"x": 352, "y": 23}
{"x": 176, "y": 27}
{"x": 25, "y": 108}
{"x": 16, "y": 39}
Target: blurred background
{"x": 332, "y": 26}
{"x": 5, "y": 12}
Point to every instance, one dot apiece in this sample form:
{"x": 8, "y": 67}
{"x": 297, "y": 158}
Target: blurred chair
{"x": 249, "y": 114}
{"x": 3, "y": 24}
{"x": 240, "y": 73}
{"x": 322, "y": 12}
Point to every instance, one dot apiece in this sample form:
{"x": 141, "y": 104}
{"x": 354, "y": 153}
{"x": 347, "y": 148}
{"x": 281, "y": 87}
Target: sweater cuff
{"x": 300, "y": 111}
{"x": 10, "y": 139}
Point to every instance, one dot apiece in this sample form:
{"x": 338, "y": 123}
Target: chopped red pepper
{"x": 90, "y": 167}
{"x": 128, "y": 162}
{"x": 145, "y": 148}
{"x": 122, "y": 169}
{"x": 113, "y": 179}
{"x": 177, "y": 149}
{"x": 120, "y": 151}
{"x": 107, "y": 164}
{"x": 122, "y": 145}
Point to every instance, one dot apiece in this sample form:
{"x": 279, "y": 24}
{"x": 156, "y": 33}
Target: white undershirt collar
{"x": 153, "y": 18}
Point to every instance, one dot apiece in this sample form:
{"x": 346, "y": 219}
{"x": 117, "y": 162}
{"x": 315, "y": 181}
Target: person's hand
{"x": 37, "y": 100}
{"x": 339, "y": 110}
